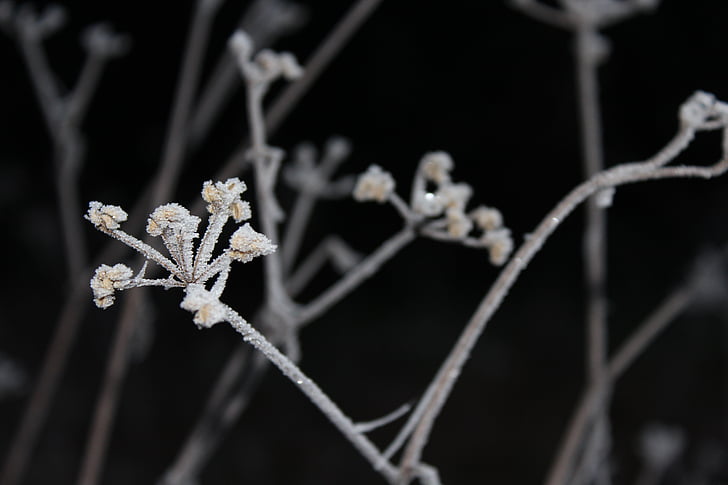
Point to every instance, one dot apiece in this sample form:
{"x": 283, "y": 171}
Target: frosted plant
{"x": 437, "y": 206}
{"x": 178, "y": 230}
{"x": 192, "y": 269}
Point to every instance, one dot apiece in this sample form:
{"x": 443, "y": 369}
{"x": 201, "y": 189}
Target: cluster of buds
{"x": 189, "y": 267}
{"x": 438, "y": 206}
{"x": 266, "y": 66}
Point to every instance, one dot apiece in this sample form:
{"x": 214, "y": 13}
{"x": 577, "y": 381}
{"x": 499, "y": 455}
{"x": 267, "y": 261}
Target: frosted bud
{"x": 246, "y": 244}
{"x": 269, "y": 64}
{"x": 458, "y": 224}
{"x": 290, "y": 68}
{"x": 207, "y": 307}
{"x": 108, "y": 279}
{"x": 487, "y": 218}
{"x": 499, "y": 244}
{"x": 43, "y": 24}
{"x": 455, "y": 196}
{"x": 105, "y": 217}
{"x": 226, "y": 195}
{"x": 337, "y": 148}
{"x": 660, "y": 445}
{"x": 374, "y": 184}
{"x": 242, "y": 46}
{"x": 101, "y": 40}
{"x": 436, "y": 166}
{"x": 174, "y": 217}
{"x": 697, "y": 109}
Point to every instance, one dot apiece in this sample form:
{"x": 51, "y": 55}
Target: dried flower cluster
{"x": 438, "y": 206}
{"x": 190, "y": 267}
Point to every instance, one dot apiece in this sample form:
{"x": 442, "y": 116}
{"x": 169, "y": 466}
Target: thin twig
{"x": 36, "y": 411}
{"x": 365, "y": 269}
{"x": 627, "y": 353}
{"x": 595, "y": 231}
{"x": 98, "y": 439}
{"x": 342, "y": 422}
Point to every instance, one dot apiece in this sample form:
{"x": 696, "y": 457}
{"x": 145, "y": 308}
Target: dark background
{"x": 477, "y": 79}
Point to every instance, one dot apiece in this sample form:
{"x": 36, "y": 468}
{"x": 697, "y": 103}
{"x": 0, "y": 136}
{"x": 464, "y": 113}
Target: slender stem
{"x": 175, "y": 144}
{"x": 69, "y": 153}
{"x": 209, "y": 429}
{"x": 342, "y": 422}
{"x": 42, "y": 78}
{"x": 36, "y": 412}
{"x": 86, "y": 86}
{"x": 99, "y": 434}
{"x": 595, "y": 254}
{"x": 310, "y": 266}
{"x": 450, "y": 370}
{"x": 595, "y": 233}
{"x": 320, "y": 60}
{"x": 365, "y": 269}
{"x": 326, "y": 52}
{"x": 627, "y": 353}
{"x": 62, "y": 119}
{"x": 265, "y": 173}
{"x": 295, "y": 229}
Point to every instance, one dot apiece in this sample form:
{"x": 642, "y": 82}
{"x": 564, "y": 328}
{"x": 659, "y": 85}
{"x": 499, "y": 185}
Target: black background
{"x": 477, "y": 79}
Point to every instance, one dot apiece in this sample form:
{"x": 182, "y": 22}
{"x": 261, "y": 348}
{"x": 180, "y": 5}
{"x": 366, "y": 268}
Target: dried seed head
{"x": 108, "y": 279}
{"x": 374, "y": 184}
{"x": 246, "y": 244}
{"x": 105, "y": 217}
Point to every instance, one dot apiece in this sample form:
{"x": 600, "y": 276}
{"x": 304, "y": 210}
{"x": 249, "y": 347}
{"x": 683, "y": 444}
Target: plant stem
{"x": 592, "y": 398}
{"x": 595, "y": 233}
{"x": 342, "y": 422}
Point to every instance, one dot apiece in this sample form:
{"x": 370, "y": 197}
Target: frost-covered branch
{"x": 699, "y": 112}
